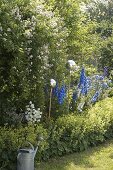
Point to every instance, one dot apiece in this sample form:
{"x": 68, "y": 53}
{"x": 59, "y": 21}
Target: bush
{"x": 102, "y": 113}
{"x": 12, "y": 139}
{"x": 110, "y": 94}
{"x": 69, "y": 133}
{"x": 72, "y": 133}
{"x": 32, "y": 50}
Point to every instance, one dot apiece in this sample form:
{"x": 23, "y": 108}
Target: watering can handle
{"x": 30, "y": 145}
{"x": 18, "y": 159}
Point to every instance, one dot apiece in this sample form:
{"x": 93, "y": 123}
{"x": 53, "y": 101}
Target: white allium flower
{"x": 52, "y": 83}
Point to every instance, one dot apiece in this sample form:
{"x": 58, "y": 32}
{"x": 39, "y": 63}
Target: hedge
{"x": 69, "y": 133}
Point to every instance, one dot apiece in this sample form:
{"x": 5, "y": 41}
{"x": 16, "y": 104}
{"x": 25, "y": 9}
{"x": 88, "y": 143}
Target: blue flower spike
{"x": 61, "y": 94}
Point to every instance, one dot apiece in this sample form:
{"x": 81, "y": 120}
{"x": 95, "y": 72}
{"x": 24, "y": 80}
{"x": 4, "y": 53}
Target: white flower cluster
{"x": 41, "y": 9}
{"x": 72, "y": 65}
{"x": 16, "y": 13}
{"x": 44, "y": 56}
{"x": 31, "y": 114}
{"x": 29, "y": 26}
{"x": 52, "y": 83}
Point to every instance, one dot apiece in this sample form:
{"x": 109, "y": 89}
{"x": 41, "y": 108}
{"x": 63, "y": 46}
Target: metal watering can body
{"x": 25, "y": 158}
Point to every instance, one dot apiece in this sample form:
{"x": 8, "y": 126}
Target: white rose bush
{"x": 32, "y": 44}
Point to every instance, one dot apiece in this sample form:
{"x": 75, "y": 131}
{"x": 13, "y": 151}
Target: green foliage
{"x": 100, "y": 13}
{"x": 110, "y": 94}
{"x": 36, "y": 39}
{"x": 32, "y": 50}
{"x": 12, "y": 139}
{"x": 96, "y": 158}
{"x": 69, "y": 133}
{"x": 76, "y": 133}
{"x": 102, "y": 113}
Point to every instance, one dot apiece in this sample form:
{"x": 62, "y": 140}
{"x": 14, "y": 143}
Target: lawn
{"x": 97, "y": 158}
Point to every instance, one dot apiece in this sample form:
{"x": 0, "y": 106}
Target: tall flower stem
{"x": 50, "y": 103}
{"x": 69, "y": 80}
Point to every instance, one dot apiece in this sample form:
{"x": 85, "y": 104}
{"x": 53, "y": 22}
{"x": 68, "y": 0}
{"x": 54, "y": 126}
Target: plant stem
{"x": 50, "y": 102}
{"x": 69, "y": 89}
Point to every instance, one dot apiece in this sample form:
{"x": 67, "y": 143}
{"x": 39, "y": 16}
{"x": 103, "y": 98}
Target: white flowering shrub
{"x": 31, "y": 114}
{"x": 32, "y": 41}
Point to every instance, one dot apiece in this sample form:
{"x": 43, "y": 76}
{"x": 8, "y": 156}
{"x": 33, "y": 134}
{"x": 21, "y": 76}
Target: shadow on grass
{"x": 81, "y": 161}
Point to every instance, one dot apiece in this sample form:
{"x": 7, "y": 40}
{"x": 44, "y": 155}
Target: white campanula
{"x": 31, "y": 114}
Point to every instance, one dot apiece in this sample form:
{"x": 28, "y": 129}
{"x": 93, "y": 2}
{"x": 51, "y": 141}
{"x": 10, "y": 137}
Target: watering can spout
{"x": 35, "y": 151}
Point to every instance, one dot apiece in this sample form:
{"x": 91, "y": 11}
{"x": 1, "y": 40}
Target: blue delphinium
{"x": 89, "y": 89}
{"x": 105, "y": 74}
{"x": 88, "y": 83}
{"x": 83, "y": 82}
{"x": 99, "y": 77}
{"x": 82, "y": 77}
{"x": 56, "y": 90}
{"x": 84, "y": 87}
{"x": 74, "y": 96}
{"x": 61, "y": 94}
{"x": 105, "y": 85}
{"x": 95, "y": 97}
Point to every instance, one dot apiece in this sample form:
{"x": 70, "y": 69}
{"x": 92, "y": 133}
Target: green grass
{"x": 97, "y": 158}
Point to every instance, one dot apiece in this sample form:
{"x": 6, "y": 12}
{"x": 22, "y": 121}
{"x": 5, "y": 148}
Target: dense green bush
{"x": 102, "y": 113}
{"x": 76, "y": 133}
{"x": 69, "y": 133}
{"x": 110, "y": 94}
{"x": 12, "y": 139}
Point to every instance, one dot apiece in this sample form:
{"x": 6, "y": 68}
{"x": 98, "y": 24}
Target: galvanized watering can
{"x": 25, "y": 158}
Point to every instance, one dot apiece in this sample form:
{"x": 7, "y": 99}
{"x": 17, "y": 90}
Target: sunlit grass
{"x": 97, "y": 158}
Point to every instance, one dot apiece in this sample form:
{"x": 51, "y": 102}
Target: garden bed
{"x": 68, "y": 134}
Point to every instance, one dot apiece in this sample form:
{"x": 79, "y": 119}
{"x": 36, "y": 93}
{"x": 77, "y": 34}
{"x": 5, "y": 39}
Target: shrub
{"x": 72, "y": 133}
{"x": 110, "y": 94}
{"x": 69, "y": 133}
{"x": 103, "y": 113}
{"x": 32, "y": 49}
{"x": 12, "y": 139}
